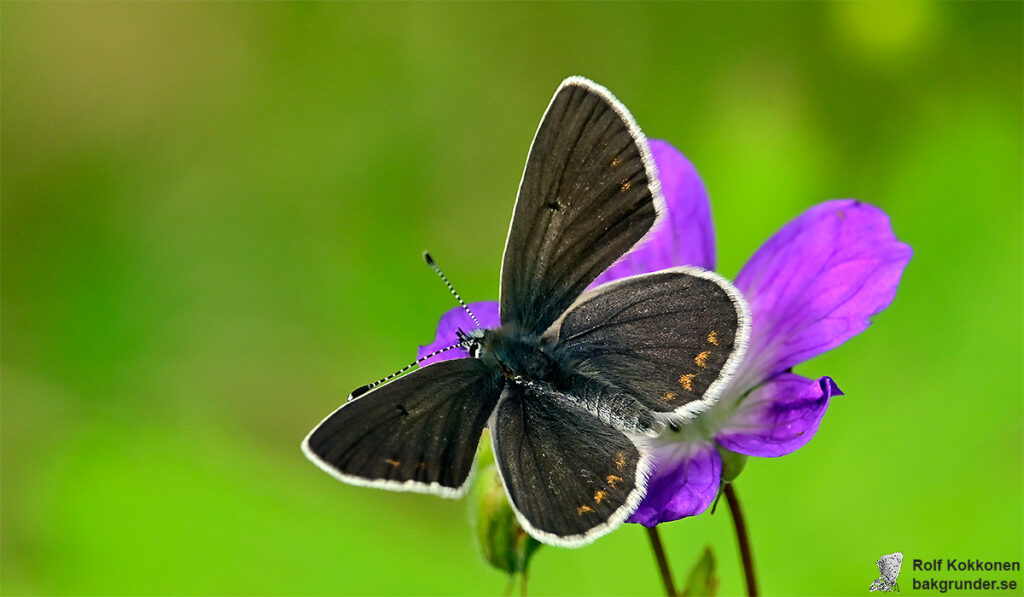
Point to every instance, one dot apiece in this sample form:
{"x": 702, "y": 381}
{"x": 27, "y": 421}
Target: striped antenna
{"x": 364, "y": 389}
{"x": 437, "y": 270}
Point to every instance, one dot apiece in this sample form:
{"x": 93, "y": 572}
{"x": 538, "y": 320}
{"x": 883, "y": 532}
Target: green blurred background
{"x": 212, "y": 222}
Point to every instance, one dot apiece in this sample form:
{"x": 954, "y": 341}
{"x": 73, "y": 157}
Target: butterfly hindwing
{"x": 669, "y": 339}
{"x": 588, "y": 194}
{"x": 570, "y": 477}
{"x": 417, "y": 433}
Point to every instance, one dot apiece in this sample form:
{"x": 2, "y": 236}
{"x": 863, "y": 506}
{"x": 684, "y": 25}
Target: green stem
{"x": 742, "y": 538}
{"x": 659, "y": 555}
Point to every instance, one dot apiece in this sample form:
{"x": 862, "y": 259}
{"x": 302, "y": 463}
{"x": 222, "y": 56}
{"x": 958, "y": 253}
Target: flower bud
{"x": 502, "y": 540}
{"x": 702, "y": 580}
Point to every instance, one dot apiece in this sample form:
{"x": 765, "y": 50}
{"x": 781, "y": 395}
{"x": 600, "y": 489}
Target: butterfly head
{"x": 471, "y": 340}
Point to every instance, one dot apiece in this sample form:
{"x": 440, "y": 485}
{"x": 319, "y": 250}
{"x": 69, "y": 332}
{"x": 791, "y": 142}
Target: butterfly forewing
{"x": 587, "y": 195}
{"x": 667, "y": 339}
{"x": 417, "y": 433}
{"x": 571, "y": 477}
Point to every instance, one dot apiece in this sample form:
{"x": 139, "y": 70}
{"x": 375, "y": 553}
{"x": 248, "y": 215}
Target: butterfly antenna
{"x": 364, "y": 389}
{"x": 437, "y": 270}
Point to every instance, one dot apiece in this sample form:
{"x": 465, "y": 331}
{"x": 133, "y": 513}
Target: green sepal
{"x": 732, "y": 464}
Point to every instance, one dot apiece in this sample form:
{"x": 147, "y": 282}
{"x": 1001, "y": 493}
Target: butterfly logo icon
{"x": 889, "y": 568}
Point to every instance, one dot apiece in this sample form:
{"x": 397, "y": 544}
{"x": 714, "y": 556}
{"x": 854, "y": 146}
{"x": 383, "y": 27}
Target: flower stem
{"x": 742, "y": 538}
{"x": 659, "y": 554}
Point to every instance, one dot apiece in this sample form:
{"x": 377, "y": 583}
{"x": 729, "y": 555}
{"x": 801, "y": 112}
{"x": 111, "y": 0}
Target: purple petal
{"x": 816, "y": 283}
{"x": 684, "y": 236}
{"x": 684, "y": 483}
{"x": 779, "y": 416}
{"x": 485, "y": 311}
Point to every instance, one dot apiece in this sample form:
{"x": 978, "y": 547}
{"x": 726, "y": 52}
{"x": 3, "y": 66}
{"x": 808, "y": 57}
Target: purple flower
{"x": 813, "y": 285}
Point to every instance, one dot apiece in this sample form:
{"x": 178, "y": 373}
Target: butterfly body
{"x": 519, "y": 355}
{"x": 573, "y": 381}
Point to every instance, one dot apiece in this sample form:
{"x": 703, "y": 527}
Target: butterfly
{"x": 889, "y": 567}
{"x": 574, "y": 382}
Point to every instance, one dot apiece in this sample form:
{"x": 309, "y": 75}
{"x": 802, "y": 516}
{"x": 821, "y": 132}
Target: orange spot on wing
{"x": 625, "y": 185}
{"x": 687, "y": 381}
{"x": 612, "y": 480}
{"x": 583, "y": 509}
{"x": 392, "y": 461}
{"x": 620, "y": 461}
{"x": 667, "y": 396}
{"x": 600, "y": 495}
{"x": 615, "y": 161}
{"x": 702, "y": 358}
{"x": 713, "y": 337}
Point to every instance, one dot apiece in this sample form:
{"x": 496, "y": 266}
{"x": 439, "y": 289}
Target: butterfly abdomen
{"x": 532, "y": 362}
{"x": 611, "y": 404}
